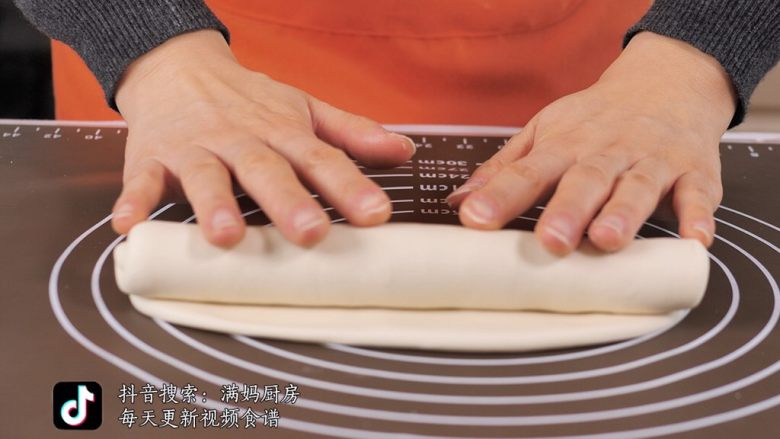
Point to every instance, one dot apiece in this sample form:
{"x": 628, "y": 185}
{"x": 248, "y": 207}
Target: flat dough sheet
{"x": 444, "y": 330}
{"x": 411, "y": 286}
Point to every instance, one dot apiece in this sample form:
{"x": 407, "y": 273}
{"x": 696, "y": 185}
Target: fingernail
{"x": 455, "y": 198}
{"x": 479, "y": 211}
{"x": 224, "y": 219}
{"x": 408, "y": 143}
{"x": 308, "y": 219}
{"x": 123, "y": 211}
{"x": 613, "y": 223}
{"x": 561, "y": 230}
{"x": 466, "y": 188}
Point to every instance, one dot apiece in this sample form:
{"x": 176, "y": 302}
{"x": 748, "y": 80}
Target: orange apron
{"x": 491, "y": 62}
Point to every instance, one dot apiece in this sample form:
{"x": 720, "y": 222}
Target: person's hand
{"x": 609, "y": 154}
{"x": 196, "y": 117}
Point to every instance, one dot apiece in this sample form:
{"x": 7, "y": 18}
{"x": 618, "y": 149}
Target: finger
{"x": 582, "y": 191}
{"x": 633, "y": 200}
{"x": 142, "y": 191}
{"x": 362, "y": 138}
{"x": 517, "y": 147}
{"x": 513, "y": 190}
{"x": 207, "y": 185}
{"x": 268, "y": 178}
{"x": 334, "y": 176}
{"x": 695, "y": 199}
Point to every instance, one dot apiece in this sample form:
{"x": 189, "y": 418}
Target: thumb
{"x": 360, "y": 137}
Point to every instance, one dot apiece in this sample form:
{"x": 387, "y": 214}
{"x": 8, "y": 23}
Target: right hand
{"x": 196, "y": 117}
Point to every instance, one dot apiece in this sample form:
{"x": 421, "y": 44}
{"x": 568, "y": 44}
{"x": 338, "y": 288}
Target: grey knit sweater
{"x": 744, "y": 35}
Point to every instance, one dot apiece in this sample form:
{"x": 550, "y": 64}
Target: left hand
{"x": 650, "y": 126}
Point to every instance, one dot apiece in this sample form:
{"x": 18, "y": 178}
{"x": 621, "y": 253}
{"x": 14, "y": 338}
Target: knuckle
{"x": 196, "y": 169}
{"x": 143, "y": 175}
{"x": 696, "y": 208}
{"x": 516, "y": 139}
{"x": 642, "y": 179}
{"x": 490, "y": 167}
{"x": 319, "y": 158}
{"x": 593, "y": 173}
{"x": 259, "y": 163}
{"x": 362, "y": 121}
{"x": 717, "y": 195}
{"x": 714, "y": 188}
{"x": 712, "y": 194}
{"x": 211, "y": 195}
{"x": 625, "y": 209}
{"x": 517, "y": 144}
{"x": 515, "y": 136}
{"x": 136, "y": 195}
{"x": 528, "y": 173}
{"x": 282, "y": 132}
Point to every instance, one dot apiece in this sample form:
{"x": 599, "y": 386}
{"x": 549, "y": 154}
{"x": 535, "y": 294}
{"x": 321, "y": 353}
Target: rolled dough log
{"x": 411, "y": 266}
{"x": 411, "y": 286}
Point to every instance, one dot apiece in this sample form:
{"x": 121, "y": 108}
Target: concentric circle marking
{"x": 480, "y": 400}
{"x": 346, "y": 432}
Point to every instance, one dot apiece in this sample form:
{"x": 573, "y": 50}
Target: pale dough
{"x": 448, "y": 330}
{"x": 411, "y": 285}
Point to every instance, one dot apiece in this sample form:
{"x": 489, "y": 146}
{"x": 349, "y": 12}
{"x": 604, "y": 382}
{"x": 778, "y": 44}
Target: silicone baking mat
{"x": 714, "y": 374}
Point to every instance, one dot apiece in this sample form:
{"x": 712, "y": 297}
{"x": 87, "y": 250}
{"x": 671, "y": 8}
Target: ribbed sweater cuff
{"x": 114, "y": 35}
{"x": 741, "y": 35}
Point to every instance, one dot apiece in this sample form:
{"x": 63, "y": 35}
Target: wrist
{"x": 678, "y": 71}
{"x": 169, "y": 65}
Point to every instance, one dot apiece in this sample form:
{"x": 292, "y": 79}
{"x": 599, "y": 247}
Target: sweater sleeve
{"x": 110, "y": 34}
{"x": 743, "y": 35}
